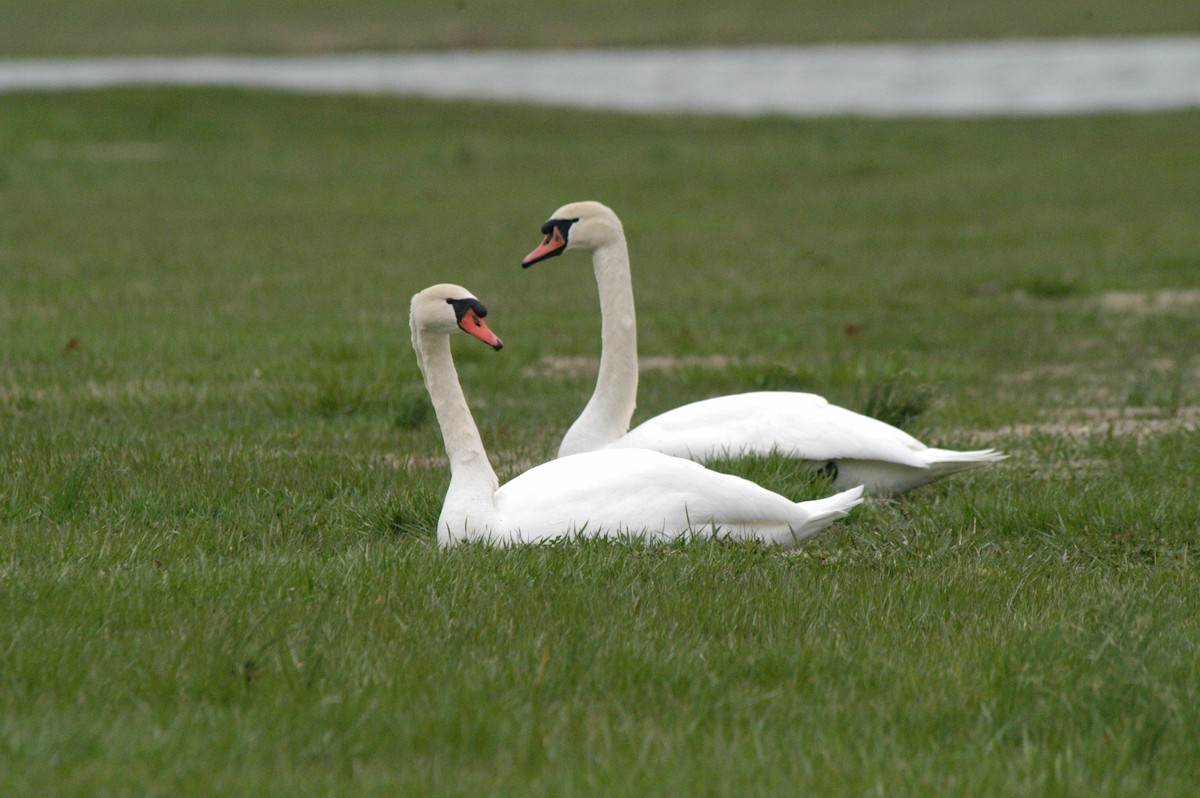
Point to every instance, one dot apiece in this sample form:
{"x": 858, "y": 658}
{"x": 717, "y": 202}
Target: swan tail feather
{"x": 823, "y": 512}
{"x": 947, "y": 461}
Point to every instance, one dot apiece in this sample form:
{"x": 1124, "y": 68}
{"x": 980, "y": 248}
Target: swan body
{"x": 633, "y": 492}
{"x": 855, "y": 449}
{"x": 644, "y": 493}
{"x": 862, "y": 450}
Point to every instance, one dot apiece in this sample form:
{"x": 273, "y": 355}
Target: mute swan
{"x": 630, "y": 491}
{"x": 854, "y": 449}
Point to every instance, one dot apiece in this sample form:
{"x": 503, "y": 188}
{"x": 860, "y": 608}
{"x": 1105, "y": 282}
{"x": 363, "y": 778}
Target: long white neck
{"x": 469, "y": 509}
{"x": 608, "y": 413}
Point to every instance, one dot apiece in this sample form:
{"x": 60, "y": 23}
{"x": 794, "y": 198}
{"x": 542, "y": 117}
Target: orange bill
{"x": 551, "y": 245}
{"x": 473, "y": 325}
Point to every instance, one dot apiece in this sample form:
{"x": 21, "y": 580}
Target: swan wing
{"x": 801, "y": 425}
{"x": 637, "y": 491}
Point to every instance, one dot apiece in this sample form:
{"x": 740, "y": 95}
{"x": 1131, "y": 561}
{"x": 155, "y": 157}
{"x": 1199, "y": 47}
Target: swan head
{"x": 448, "y": 308}
{"x": 582, "y": 226}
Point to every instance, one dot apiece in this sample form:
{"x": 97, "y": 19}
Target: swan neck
{"x": 471, "y": 474}
{"x": 607, "y": 415}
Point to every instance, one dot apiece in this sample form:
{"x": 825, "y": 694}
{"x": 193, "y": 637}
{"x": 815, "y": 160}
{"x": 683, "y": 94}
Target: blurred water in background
{"x": 1019, "y": 77}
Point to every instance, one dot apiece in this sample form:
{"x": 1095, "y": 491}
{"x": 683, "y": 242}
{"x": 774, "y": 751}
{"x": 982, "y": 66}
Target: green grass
{"x": 218, "y": 476}
{"x": 103, "y": 27}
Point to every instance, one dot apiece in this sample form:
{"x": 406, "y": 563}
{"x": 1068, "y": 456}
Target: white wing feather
{"x": 801, "y": 425}
{"x": 638, "y": 491}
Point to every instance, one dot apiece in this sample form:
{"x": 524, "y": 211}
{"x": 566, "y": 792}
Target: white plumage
{"x": 620, "y": 492}
{"x": 637, "y": 491}
{"x": 861, "y": 450}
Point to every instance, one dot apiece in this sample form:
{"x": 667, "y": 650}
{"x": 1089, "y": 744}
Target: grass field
{"x": 219, "y": 475}
{"x": 98, "y": 27}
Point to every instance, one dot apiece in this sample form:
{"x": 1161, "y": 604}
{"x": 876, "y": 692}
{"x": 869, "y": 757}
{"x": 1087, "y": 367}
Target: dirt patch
{"x": 587, "y": 365}
{"x": 1091, "y": 383}
{"x": 145, "y": 392}
{"x": 1086, "y": 421}
{"x": 137, "y": 390}
{"x": 410, "y": 463}
{"x": 1169, "y": 300}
